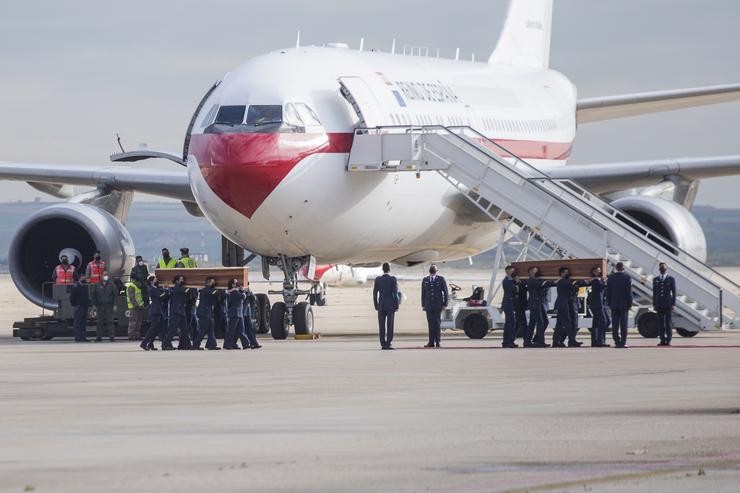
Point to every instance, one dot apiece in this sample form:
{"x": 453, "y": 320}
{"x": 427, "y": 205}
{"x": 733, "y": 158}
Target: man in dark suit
{"x": 385, "y": 299}
{"x": 79, "y": 298}
{"x": 596, "y": 302}
{"x": 535, "y": 293}
{"x": 563, "y": 305}
{"x": 157, "y": 314}
{"x": 619, "y": 295}
{"x": 508, "y": 306}
{"x": 664, "y": 299}
{"x": 520, "y": 306}
{"x": 434, "y": 298}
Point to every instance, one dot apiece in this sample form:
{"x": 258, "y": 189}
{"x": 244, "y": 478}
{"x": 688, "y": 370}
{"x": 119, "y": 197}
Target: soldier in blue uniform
{"x": 434, "y": 297}
{"x": 207, "y": 296}
{"x": 508, "y": 306}
{"x": 178, "y": 295}
{"x": 664, "y": 299}
{"x": 597, "y": 304}
{"x": 535, "y": 302}
{"x": 520, "y": 305}
{"x": 249, "y": 337}
{"x": 619, "y": 295}
{"x": 157, "y": 308}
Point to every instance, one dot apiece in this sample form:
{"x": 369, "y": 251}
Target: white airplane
{"x": 265, "y": 161}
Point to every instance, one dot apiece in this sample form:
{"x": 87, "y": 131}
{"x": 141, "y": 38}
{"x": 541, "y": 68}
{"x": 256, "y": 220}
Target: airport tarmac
{"x": 337, "y": 414}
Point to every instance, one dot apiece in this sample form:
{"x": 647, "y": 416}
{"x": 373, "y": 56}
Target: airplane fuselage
{"x": 269, "y": 149}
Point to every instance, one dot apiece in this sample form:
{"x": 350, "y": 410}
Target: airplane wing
{"x": 49, "y": 177}
{"x": 609, "y": 107}
{"x": 613, "y": 177}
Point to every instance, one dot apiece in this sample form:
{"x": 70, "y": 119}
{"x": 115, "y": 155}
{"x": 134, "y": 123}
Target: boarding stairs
{"x": 564, "y": 219}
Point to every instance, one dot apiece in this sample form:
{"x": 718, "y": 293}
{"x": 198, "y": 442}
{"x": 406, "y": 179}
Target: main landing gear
{"x": 289, "y": 312}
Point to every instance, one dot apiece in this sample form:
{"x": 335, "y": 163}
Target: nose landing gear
{"x": 289, "y": 312}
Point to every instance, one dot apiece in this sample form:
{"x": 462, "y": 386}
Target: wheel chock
{"x": 307, "y": 337}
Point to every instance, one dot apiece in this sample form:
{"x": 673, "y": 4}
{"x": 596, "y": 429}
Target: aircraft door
{"x": 362, "y": 99}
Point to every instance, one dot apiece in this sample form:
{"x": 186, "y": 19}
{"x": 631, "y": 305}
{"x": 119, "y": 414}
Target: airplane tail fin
{"x": 525, "y": 38}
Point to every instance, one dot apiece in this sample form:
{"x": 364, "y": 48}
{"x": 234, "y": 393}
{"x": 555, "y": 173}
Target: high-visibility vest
{"x": 138, "y": 300}
{"x": 96, "y": 271}
{"x": 188, "y": 262}
{"x": 65, "y": 275}
{"x": 167, "y": 265}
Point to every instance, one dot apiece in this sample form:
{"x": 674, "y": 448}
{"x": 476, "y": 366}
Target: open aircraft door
{"x": 360, "y": 96}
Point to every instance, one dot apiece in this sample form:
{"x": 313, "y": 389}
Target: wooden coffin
{"x": 196, "y": 278}
{"x": 580, "y": 268}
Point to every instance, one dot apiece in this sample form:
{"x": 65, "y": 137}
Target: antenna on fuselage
{"x": 457, "y": 54}
{"x": 362, "y": 43}
{"x": 298, "y": 40}
{"x": 393, "y": 47}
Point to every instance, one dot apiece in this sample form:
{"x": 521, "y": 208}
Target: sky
{"x": 75, "y": 73}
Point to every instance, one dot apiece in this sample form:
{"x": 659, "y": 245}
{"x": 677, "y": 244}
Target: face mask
{"x": 567, "y": 275}
{"x": 141, "y": 263}
{"x": 662, "y": 270}
{"x": 65, "y": 261}
{"x": 97, "y": 257}
{"x": 105, "y": 278}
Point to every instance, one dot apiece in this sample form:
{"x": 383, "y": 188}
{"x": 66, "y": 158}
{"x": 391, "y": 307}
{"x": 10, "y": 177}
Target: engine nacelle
{"x": 669, "y": 219}
{"x": 34, "y": 251}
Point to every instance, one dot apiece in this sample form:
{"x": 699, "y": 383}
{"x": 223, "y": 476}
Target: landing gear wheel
{"x": 647, "y": 325}
{"x": 303, "y": 318}
{"x": 685, "y": 333}
{"x": 263, "y": 314}
{"x": 278, "y": 321}
{"x": 475, "y": 326}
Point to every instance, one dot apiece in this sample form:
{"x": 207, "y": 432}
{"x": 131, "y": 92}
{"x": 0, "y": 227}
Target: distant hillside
{"x": 157, "y": 224}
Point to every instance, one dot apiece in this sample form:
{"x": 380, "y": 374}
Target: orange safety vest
{"x": 65, "y": 275}
{"x": 96, "y": 271}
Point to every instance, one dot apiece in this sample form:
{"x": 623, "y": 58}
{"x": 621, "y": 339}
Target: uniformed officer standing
{"x": 104, "y": 296}
{"x": 508, "y": 304}
{"x": 597, "y": 304}
{"x": 520, "y": 305}
{"x": 385, "y": 300}
{"x": 207, "y": 296}
{"x": 79, "y": 298}
{"x": 434, "y": 297}
{"x": 619, "y": 294}
{"x": 664, "y": 299}
{"x": 535, "y": 293}
{"x": 157, "y": 307}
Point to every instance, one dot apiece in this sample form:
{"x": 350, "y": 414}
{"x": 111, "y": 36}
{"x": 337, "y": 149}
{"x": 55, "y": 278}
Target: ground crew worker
{"x": 79, "y": 298}
{"x": 95, "y": 268}
{"x": 508, "y": 305}
{"x": 186, "y": 261}
{"x": 157, "y": 306}
{"x": 64, "y": 273}
{"x": 664, "y": 299}
{"x": 140, "y": 272}
{"x": 135, "y": 303}
{"x": 597, "y": 304}
{"x": 104, "y": 296}
{"x": 165, "y": 261}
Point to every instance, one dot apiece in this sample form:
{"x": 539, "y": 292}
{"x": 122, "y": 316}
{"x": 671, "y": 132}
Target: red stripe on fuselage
{"x": 243, "y": 169}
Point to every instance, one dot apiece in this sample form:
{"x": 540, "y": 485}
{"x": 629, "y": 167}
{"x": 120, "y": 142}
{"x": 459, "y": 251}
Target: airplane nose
{"x": 244, "y": 168}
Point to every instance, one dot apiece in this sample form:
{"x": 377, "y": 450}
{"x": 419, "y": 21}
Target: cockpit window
{"x": 208, "y": 119}
{"x": 307, "y": 115}
{"x": 230, "y": 115}
{"x": 264, "y": 114}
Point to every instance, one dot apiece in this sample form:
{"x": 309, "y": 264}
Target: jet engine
{"x": 35, "y": 249}
{"x": 669, "y": 219}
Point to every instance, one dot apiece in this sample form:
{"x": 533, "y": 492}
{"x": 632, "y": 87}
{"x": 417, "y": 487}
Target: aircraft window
{"x": 264, "y": 114}
{"x": 208, "y": 119}
{"x": 230, "y": 115}
{"x": 308, "y": 116}
{"x": 291, "y": 116}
